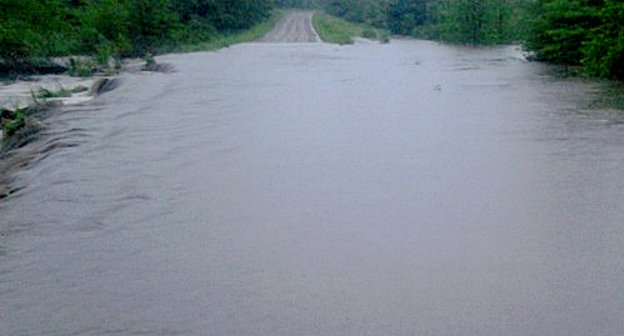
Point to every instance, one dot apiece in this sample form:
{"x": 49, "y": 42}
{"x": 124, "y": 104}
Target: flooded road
{"x": 310, "y": 189}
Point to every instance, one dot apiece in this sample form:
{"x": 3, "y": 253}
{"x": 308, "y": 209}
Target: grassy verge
{"x": 226, "y": 40}
{"x": 336, "y": 30}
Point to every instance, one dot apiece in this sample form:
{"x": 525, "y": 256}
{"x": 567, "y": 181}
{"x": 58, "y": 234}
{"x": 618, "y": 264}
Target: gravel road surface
{"x": 294, "y": 27}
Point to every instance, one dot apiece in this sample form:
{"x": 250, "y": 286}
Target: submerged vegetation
{"x": 60, "y": 93}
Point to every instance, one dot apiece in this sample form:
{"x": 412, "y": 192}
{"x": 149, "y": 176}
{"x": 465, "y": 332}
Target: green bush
{"x": 152, "y": 22}
{"x": 603, "y": 53}
{"x": 560, "y": 29}
{"x": 31, "y": 30}
{"x": 104, "y": 27}
{"x": 369, "y": 33}
{"x": 12, "y": 121}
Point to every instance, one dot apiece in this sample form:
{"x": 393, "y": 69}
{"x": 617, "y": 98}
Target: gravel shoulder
{"x": 294, "y": 27}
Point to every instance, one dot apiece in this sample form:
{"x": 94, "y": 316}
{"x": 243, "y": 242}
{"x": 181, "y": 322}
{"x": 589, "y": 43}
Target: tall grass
{"x": 335, "y": 30}
{"x": 332, "y": 29}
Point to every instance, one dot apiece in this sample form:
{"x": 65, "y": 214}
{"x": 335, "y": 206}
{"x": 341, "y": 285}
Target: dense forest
{"x": 585, "y": 33}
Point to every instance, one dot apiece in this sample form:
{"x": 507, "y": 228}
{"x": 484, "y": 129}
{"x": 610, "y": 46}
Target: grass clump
{"x": 60, "y": 93}
{"x": 335, "y": 30}
{"x": 369, "y": 33}
{"x": 13, "y": 120}
{"x": 81, "y": 67}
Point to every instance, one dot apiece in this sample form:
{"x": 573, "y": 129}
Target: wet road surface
{"x": 309, "y": 189}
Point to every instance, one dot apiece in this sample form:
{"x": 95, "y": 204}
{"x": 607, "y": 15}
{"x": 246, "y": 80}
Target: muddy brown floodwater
{"x": 274, "y": 189}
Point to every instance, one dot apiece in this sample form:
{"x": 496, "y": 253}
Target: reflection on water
{"x": 293, "y": 189}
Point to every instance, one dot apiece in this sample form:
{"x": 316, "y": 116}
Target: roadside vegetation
{"x": 60, "y": 93}
{"x": 227, "y": 39}
{"x": 586, "y": 34}
{"x": 332, "y": 29}
{"x": 33, "y": 31}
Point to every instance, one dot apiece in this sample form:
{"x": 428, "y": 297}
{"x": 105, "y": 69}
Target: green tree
{"x": 104, "y": 26}
{"x": 31, "y": 29}
{"x": 151, "y": 23}
{"x": 561, "y": 28}
{"x": 463, "y": 20}
{"x": 405, "y": 15}
{"x": 603, "y": 53}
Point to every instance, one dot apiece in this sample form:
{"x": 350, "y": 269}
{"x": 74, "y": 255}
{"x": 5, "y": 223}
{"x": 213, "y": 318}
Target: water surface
{"x": 310, "y": 189}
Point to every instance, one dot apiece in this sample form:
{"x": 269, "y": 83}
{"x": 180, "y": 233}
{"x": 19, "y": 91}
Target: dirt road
{"x": 294, "y": 27}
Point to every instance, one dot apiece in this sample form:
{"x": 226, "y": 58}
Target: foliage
{"x": 37, "y": 29}
{"x": 230, "y": 38}
{"x": 81, "y": 67}
{"x": 463, "y": 21}
{"x": 369, "y": 33}
{"x": 359, "y": 11}
{"x": 153, "y": 21}
{"x": 403, "y": 16}
{"x": 12, "y": 121}
{"x": 335, "y": 30}
{"x": 560, "y": 29}
{"x": 603, "y": 53}
{"x": 33, "y": 28}
{"x": 304, "y": 4}
{"x": 104, "y": 28}
{"x": 586, "y": 33}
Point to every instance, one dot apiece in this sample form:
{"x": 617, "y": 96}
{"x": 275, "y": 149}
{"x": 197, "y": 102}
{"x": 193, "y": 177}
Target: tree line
{"x": 585, "y": 33}
{"x": 31, "y": 30}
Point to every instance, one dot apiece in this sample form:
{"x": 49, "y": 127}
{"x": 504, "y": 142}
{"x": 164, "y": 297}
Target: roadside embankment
{"x": 336, "y": 30}
{"x": 25, "y": 104}
{"x": 27, "y": 99}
